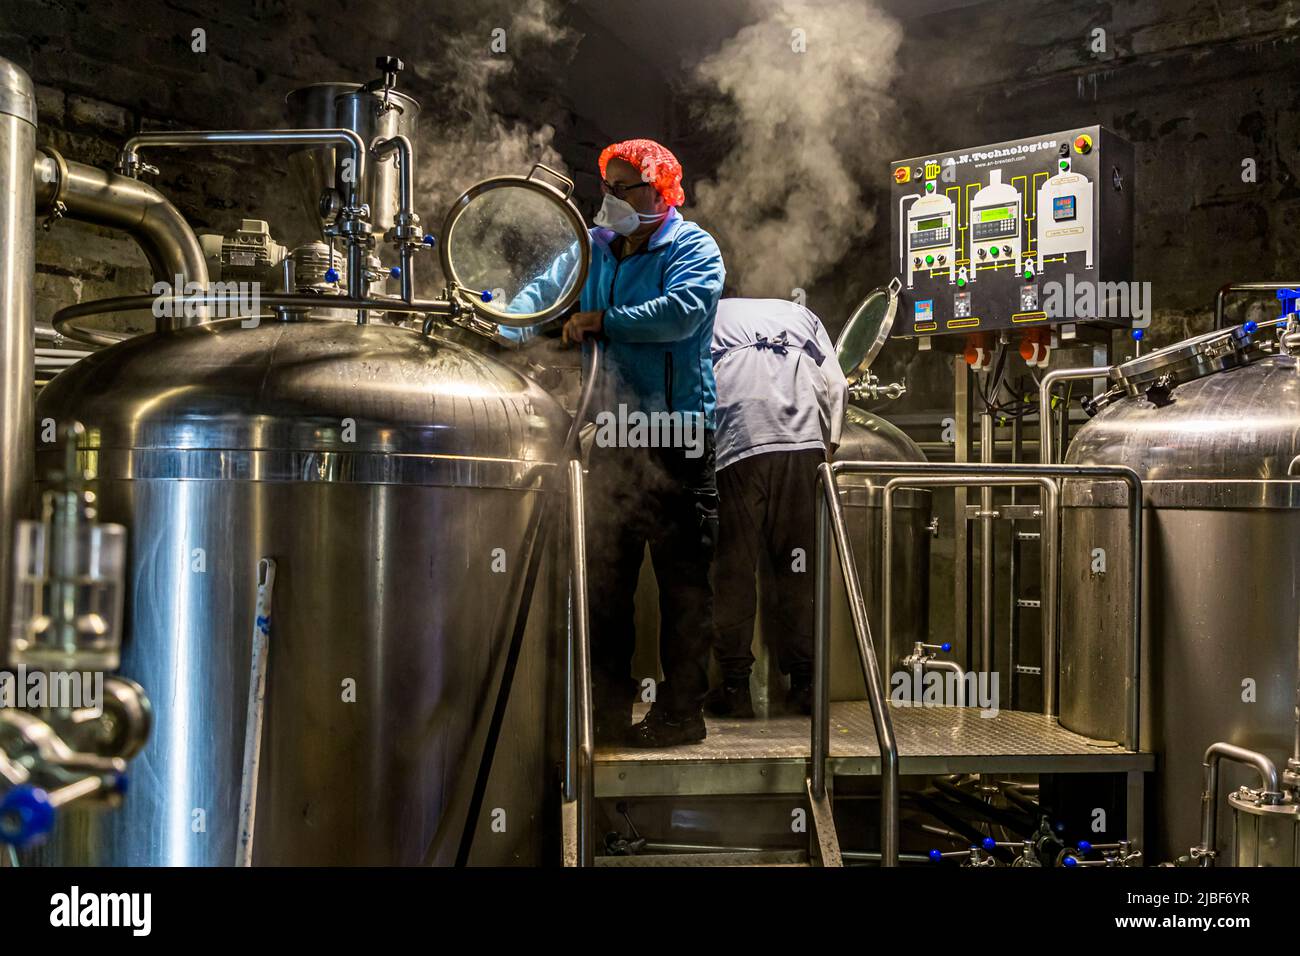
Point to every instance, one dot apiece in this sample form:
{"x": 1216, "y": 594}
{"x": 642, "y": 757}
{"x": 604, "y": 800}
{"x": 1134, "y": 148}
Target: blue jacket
{"x": 659, "y": 305}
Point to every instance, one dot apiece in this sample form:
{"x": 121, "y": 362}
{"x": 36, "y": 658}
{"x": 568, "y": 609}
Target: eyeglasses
{"x": 619, "y": 190}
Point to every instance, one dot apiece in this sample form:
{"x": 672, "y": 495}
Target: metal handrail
{"x": 1231, "y": 287}
{"x": 1051, "y": 548}
{"x": 579, "y": 739}
{"x": 830, "y": 517}
{"x": 579, "y": 766}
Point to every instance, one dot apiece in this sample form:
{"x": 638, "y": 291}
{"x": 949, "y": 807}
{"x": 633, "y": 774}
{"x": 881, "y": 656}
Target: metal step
{"x": 742, "y": 858}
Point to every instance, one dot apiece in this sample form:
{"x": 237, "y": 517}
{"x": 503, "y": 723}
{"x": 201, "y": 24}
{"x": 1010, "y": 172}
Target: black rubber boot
{"x": 731, "y": 699}
{"x": 659, "y": 729}
{"x": 800, "y": 696}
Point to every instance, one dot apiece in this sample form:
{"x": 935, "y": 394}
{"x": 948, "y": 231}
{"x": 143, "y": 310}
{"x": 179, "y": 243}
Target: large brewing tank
{"x": 1220, "y": 568}
{"x": 868, "y": 437}
{"x": 392, "y": 478}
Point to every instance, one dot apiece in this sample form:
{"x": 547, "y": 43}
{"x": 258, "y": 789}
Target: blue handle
{"x": 486, "y": 295}
{"x": 430, "y": 240}
{"x": 946, "y": 646}
{"x": 331, "y": 274}
{"x": 1137, "y": 335}
{"x": 26, "y": 816}
{"x": 936, "y": 855}
{"x": 395, "y": 272}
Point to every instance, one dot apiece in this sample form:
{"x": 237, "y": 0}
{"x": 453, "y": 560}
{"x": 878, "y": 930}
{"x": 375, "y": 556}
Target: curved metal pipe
{"x": 130, "y": 165}
{"x": 93, "y": 195}
{"x": 62, "y": 320}
{"x": 1046, "y": 453}
{"x": 1245, "y": 287}
{"x": 1210, "y": 795}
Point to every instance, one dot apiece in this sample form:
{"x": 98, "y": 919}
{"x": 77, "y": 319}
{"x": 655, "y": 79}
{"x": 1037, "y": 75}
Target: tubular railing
{"x": 830, "y": 520}
{"x": 579, "y": 738}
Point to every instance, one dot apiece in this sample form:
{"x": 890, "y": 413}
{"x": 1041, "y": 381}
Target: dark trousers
{"x": 768, "y": 507}
{"x": 661, "y": 497}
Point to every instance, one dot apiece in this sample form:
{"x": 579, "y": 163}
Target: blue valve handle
{"x": 486, "y": 295}
{"x": 430, "y": 240}
{"x": 331, "y": 274}
{"x": 1084, "y": 846}
{"x": 395, "y": 272}
{"x": 1290, "y": 299}
{"x": 1138, "y": 334}
{"x": 1251, "y": 326}
{"x": 1070, "y": 861}
{"x": 26, "y": 816}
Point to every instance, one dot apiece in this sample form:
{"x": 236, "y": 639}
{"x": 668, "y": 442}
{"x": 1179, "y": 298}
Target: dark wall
{"x": 1198, "y": 88}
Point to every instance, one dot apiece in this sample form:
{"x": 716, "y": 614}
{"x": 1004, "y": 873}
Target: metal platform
{"x": 771, "y": 756}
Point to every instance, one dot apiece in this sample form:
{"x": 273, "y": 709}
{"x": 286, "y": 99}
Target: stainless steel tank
{"x": 868, "y": 437}
{"x": 391, "y": 476}
{"x": 1221, "y": 566}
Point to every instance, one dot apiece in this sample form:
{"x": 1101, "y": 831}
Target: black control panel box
{"x": 1028, "y": 233}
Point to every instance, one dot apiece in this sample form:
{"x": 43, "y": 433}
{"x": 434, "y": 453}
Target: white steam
{"x": 476, "y": 141}
{"x": 808, "y": 87}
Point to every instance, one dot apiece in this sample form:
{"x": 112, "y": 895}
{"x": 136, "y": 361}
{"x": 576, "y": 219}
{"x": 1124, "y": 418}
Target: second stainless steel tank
{"x": 1222, "y": 562}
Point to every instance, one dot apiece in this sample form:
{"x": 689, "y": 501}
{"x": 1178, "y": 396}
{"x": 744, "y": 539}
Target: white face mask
{"x": 619, "y": 215}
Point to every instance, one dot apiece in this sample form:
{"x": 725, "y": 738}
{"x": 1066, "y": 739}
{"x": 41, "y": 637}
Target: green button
{"x": 961, "y": 282}
{"x": 993, "y": 250}
{"x": 1029, "y": 273}
{"x": 929, "y": 260}
{"x": 1065, "y": 164}
{"x": 929, "y": 187}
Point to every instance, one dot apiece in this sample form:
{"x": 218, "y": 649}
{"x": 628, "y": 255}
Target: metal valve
{"x": 1121, "y": 853}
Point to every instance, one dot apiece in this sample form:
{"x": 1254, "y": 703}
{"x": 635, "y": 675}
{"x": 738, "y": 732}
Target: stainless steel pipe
{"x": 581, "y": 657}
{"x": 405, "y": 217}
{"x": 107, "y": 199}
{"x": 1210, "y": 796}
{"x": 62, "y": 319}
{"x": 1231, "y": 287}
{"x": 17, "y": 318}
{"x": 1046, "y": 451}
{"x": 987, "y": 600}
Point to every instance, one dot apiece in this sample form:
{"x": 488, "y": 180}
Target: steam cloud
{"x": 470, "y": 139}
{"x": 807, "y": 130}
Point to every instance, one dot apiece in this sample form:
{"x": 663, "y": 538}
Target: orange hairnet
{"x": 659, "y": 167}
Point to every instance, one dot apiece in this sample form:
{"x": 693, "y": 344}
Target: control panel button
{"x": 1006, "y": 250}
{"x": 993, "y": 251}
{"x": 1083, "y": 144}
{"x": 929, "y": 260}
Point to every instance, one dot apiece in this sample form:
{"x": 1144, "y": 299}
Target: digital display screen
{"x": 998, "y": 212}
{"x": 1063, "y": 208}
{"x": 930, "y": 224}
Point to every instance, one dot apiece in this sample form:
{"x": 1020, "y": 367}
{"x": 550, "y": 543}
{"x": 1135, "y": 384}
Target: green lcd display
{"x": 930, "y": 224}
{"x": 989, "y": 215}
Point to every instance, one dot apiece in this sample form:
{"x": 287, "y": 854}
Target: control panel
{"x": 1009, "y": 235}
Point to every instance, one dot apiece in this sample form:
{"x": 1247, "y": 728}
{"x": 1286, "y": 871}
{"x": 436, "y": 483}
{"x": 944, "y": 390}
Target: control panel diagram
{"x": 997, "y": 237}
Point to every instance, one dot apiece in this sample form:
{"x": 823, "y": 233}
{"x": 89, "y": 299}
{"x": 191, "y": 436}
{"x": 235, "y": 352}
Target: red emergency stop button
{"x": 1083, "y": 144}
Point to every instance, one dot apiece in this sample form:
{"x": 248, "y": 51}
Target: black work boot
{"x": 731, "y": 699}
{"x": 800, "y": 696}
{"x": 659, "y": 729}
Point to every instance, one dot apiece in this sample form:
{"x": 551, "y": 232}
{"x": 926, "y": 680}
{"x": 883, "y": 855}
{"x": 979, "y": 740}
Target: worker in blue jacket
{"x": 651, "y": 294}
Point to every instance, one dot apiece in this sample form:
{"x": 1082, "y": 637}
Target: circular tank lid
{"x": 515, "y": 249}
{"x": 866, "y": 331}
{"x": 1189, "y": 359}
